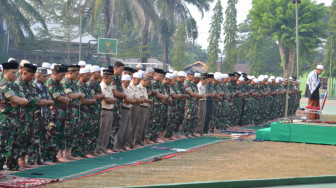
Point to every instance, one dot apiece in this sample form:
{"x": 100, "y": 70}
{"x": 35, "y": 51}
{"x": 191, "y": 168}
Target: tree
{"x": 230, "y": 32}
{"x": 18, "y": 15}
{"x": 179, "y": 50}
{"x": 215, "y": 37}
{"x": 328, "y": 47}
{"x": 276, "y": 18}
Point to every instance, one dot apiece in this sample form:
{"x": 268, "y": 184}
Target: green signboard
{"x": 107, "y": 46}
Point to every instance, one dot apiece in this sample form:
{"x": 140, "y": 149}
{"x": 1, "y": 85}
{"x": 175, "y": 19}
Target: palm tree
{"x": 18, "y": 15}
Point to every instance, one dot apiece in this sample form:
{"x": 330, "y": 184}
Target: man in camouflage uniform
{"x": 28, "y": 130}
{"x": 72, "y": 111}
{"x": 11, "y": 100}
{"x": 214, "y": 119}
{"x": 159, "y": 96}
{"x": 224, "y": 109}
{"x": 99, "y": 96}
{"x": 86, "y": 105}
{"x": 56, "y": 129}
{"x": 118, "y": 93}
{"x": 166, "y": 107}
{"x": 42, "y": 115}
{"x": 190, "y": 113}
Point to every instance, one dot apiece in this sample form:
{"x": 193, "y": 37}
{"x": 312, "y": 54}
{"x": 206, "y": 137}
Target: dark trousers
{"x": 209, "y": 104}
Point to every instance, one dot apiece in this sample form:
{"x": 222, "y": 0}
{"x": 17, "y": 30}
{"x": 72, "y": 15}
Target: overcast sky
{"x": 243, "y": 8}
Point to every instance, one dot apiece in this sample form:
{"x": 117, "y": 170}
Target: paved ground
{"x": 329, "y": 108}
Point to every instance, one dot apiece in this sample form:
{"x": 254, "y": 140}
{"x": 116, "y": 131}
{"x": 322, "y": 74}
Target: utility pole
{"x": 297, "y": 36}
{"x": 85, "y": 11}
{"x": 331, "y": 51}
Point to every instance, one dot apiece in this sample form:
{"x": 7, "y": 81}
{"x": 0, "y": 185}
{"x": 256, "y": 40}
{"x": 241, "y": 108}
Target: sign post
{"x": 107, "y": 46}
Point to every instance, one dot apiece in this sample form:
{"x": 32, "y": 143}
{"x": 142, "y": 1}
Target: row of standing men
{"x": 58, "y": 113}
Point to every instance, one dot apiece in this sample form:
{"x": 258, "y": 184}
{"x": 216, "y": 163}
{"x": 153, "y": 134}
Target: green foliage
{"x": 276, "y": 18}
{"x": 230, "y": 32}
{"x": 328, "y": 47}
{"x": 179, "y": 50}
{"x": 18, "y": 15}
{"x": 215, "y": 37}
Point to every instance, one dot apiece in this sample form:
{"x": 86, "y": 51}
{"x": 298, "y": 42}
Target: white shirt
{"x": 135, "y": 90}
{"x": 201, "y": 89}
{"x": 313, "y": 81}
{"x": 129, "y": 94}
{"x": 143, "y": 94}
{"x": 107, "y": 91}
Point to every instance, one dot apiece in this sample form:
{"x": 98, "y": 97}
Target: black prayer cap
{"x": 30, "y": 68}
{"x": 210, "y": 75}
{"x": 190, "y": 72}
{"x": 130, "y": 69}
{"x": 108, "y": 72}
{"x": 160, "y": 71}
{"x": 73, "y": 68}
{"x": 244, "y": 74}
{"x": 231, "y": 74}
{"x": 10, "y": 65}
{"x": 60, "y": 68}
{"x": 110, "y": 67}
{"x": 204, "y": 76}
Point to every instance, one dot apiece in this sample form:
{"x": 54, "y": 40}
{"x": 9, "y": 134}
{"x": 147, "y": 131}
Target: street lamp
{"x": 296, "y": 2}
{"x": 85, "y": 11}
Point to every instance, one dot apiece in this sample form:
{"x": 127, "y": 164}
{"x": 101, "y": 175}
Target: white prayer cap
{"x": 126, "y": 77}
{"x": 81, "y": 63}
{"x": 261, "y": 78}
{"x": 250, "y": 77}
{"x": 320, "y": 67}
{"x": 142, "y": 72}
{"x": 225, "y": 76}
{"x": 211, "y": 73}
{"x": 49, "y": 71}
{"x": 197, "y": 75}
{"x": 53, "y": 65}
{"x": 23, "y": 62}
{"x": 270, "y": 80}
{"x": 1, "y": 68}
{"x": 169, "y": 76}
{"x": 35, "y": 64}
{"x": 171, "y": 71}
{"x": 139, "y": 66}
{"x": 266, "y": 76}
{"x": 46, "y": 65}
{"x": 175, "y": 74}
{"x": 218, "y": 77}
{"x": 240, "y": 72}
{"x": 11, "y": 59}
{"x": 256, "y": 80}
{"x": 277, "y": 81}
{"x": 181, "y": 73}
{"x": 137, "y": 75}
{"x": 94, "y": 68}
{"x": 84, "y": 70}
{"x": 218, "y": 73}
{"x": 272, "y": 77}
{"x": 88, "y": 66}
{"x": 298, "y": 81}
{"x": 281, "y": 79}
{"x": 149, "y": 70}
{"x": 241, "y": 79}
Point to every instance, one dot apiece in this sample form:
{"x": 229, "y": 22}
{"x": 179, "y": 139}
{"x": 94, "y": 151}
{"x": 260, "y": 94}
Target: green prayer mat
{"x": 79, "y": 168}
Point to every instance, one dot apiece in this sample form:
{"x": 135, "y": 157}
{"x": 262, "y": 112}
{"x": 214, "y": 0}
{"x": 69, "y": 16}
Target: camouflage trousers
{"x": 155, "y": 126}
{"x": 116, "y": 122}
{"x": 56, "y": 138}
{"x": 173, "y": 125}
{"x": 190, "y": 118}
{"x": 9, "y": 150}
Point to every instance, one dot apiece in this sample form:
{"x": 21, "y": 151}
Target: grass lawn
{"x": 234, "y": 160}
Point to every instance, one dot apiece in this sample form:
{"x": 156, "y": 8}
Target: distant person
{"x": 313, "y": 89}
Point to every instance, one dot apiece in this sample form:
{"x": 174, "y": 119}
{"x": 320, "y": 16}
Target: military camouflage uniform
{"x": 191, "y": 110}
{"x": 96, "y": 109}
{"x": 29, "y": 130}
{"x": 87, "y": 128}
{"x": 56, "y": 128}
{"x": 156, "y": 125}
{"x": 42, "y": 117}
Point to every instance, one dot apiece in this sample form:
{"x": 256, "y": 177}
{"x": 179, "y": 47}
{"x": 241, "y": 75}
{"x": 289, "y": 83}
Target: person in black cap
{"x": 11, "y": 98}
{"x": 159, "y": 97}
{"x": 28, "y": 139}
{"x": 209, "y": 102}
{"x": 56, "y": 137}
{"x": 71, "y": 90}
{"x": 129, "y": 71}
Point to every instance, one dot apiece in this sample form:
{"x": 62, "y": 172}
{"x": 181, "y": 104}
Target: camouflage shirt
{"x": 70, "y": 86}
{"x": 56, "y": 89}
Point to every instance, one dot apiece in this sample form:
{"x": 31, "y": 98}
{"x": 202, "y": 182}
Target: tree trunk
{"x": 109, "y": 26}
{"x": 144, "y": 39}
{"x": 287, "y": 57}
